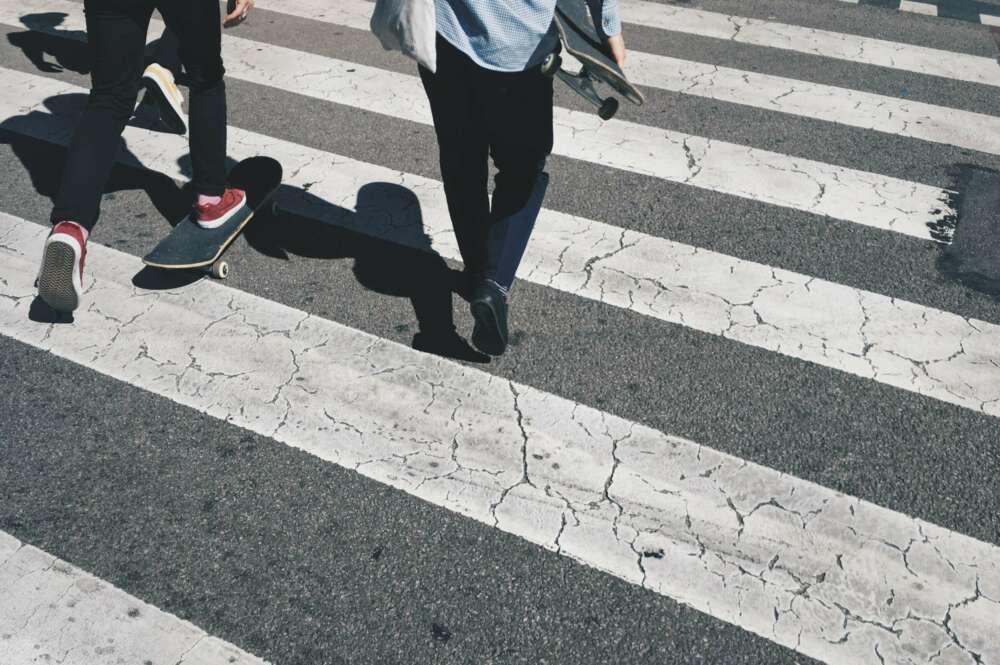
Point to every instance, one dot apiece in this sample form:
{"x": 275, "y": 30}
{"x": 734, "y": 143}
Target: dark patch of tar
{"x": 440, "y": 633}
{"x": 973, "y": 256}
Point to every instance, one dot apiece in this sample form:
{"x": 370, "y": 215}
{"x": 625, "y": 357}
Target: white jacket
{"x": 409, "y": 26}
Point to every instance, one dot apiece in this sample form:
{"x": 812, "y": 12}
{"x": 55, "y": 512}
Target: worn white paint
{"x": 891, "y": 115}
{"x": 832, "y": 576}
{"x": 898, "y": 343}
{"x": 861, "y": 197}
{"x": 926, "y": 8}
{"x": 769, "y": 34}
{"x": 825, "y": 43}
{"x": 53, "y": 612}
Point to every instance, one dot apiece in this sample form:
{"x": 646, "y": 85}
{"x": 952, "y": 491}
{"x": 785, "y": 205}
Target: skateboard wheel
{"x": 551, "y": 64}
{"x": 220, "y": 270}
{"x": 608, "y": 108}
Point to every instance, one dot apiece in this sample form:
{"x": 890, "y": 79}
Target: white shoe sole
{"x": 59, "y": 282}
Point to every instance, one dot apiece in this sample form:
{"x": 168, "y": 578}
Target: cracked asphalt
{"x": 300, "y": 561}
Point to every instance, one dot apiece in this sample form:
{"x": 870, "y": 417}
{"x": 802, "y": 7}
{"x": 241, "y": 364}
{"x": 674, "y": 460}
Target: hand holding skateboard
{"x": 601, "y": 58}
{"x": 236, "y": 12}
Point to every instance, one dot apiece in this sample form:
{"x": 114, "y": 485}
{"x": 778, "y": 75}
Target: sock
{"x": 206, "y": 200}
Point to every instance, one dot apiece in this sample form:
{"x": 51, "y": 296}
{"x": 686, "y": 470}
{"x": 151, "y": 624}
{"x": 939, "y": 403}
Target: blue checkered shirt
{"x": 510, "y": 35}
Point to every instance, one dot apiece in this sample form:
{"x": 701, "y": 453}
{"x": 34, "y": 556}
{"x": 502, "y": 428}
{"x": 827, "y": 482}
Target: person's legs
{"x": 117, "y": 38}
{"x": 459, "y": 121}
{"x": 198, "y": 27}
{"x": 520, "y": 130}
{"x": 520, "y": 123}
{"x": 168, "y": 53}
{"x": 116, "y": 32}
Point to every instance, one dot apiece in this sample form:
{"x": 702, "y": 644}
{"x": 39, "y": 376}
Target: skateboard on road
{"x": 579, "y": 36}
{"x": 191, "y": 247}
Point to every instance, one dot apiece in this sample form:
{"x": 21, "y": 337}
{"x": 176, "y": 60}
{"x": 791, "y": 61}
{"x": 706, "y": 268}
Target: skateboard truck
{"x": 582, "y": 84}
{"x": 582, "y": 38}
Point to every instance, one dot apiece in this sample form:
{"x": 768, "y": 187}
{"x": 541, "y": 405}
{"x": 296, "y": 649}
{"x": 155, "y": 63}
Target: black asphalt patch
{"x": 974, "y": 255}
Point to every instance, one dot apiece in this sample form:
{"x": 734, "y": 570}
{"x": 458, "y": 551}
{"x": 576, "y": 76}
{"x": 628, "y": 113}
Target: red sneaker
{"x": 60, "y": 279}
{"x": 214, "y": 215}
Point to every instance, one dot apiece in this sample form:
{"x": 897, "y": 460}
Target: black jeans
{"x": 480, "y": 113}
{"x": 168, "y": 53}
{"x": 116, "y": 30}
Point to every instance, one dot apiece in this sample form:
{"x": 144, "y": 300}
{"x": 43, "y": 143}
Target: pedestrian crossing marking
{"x": 54, "y": 612}
{"x": 868, "y": 199}
{"x": 797, "y": 563}
{"x": 918, "y": 7}
{"x": 804, "y": 566}
{"x": 898, "y": 343}
{"x": 962, "y": 10}
{"x": 769, "y": 34}
{"x": 891, "y": 115}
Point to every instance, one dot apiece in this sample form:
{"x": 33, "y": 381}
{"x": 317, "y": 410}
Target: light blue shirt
{"x": 510, "y": 35}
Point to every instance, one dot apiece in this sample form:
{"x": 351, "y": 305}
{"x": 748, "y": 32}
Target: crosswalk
{"x": 794, "y": 561}
{"x": 104, "y": 622}
{"x": 980, "y": 12}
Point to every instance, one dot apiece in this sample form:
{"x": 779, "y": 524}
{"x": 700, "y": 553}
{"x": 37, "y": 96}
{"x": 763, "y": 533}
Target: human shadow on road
{"x": 44, "y": 38}
{"x": 401, "y": 263}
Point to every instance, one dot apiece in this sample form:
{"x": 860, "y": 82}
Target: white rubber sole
{"x": 59, "y": 283}
{"x": 171, "y": 111}
{"x": 216, "y": 223}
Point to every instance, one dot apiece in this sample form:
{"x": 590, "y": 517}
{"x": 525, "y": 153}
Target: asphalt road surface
{"x": 750, "y": 413}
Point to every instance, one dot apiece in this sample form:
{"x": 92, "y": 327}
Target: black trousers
{"x": 116, "y": 30}
{"x": 168, "y": 53}
{"x": 480, "y": 113}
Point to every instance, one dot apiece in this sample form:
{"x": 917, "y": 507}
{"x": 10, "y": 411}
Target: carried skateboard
{"x": 191, "y": 247}
{"x": 579, "y": 36}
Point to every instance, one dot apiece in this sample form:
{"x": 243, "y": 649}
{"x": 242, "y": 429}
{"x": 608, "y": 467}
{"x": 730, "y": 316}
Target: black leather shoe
{"x": 489, "y": 309}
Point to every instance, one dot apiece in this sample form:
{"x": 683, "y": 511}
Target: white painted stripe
{"x": 928, "y": 122}
{"x": 53, "y": 612}
{"x": 860, "y": 197}
{"x": 826, "y": 574}
{"x": 852, "y": 48}
{"x": 989, "y": 19}
{"x": 891, "y": 115}
{"x": 902, "y": 344}
{"x": 840, "y": 46}
{"x": 976, "y": 131}
{"x": 918, "y": 7}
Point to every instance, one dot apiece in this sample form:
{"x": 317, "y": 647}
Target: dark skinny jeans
{"x": 480, "y": 113}
{"x": 116, "y": 31}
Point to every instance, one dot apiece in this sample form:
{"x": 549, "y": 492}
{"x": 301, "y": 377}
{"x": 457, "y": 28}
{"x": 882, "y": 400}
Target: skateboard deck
{"x": 579, "y": 36}
{"x": 189, "y": 246}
